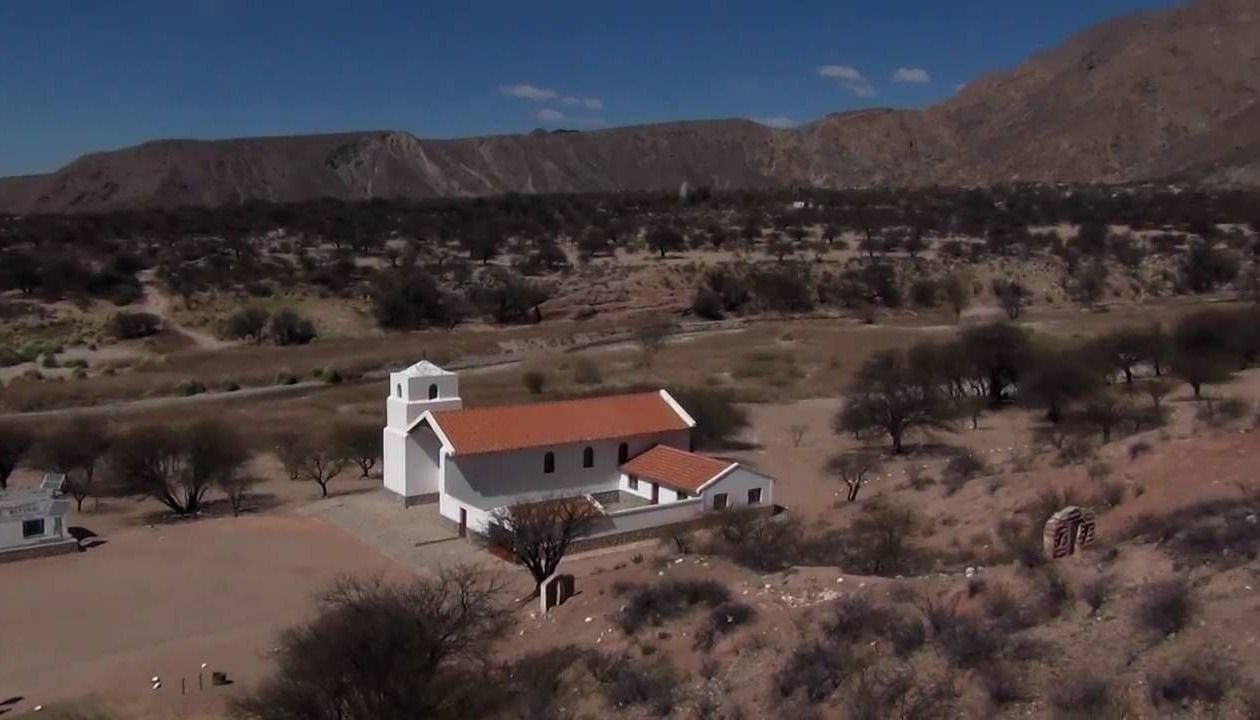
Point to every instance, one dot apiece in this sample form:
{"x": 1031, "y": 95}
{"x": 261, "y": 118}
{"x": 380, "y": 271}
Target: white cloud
{"x": 528, "y": 92}
{"x": 548, "y": 115}
{"x": 589, "y": 103}
{"x": 782, "y": 122}
{"x": 841, "y": 72}
{"x": 911, "y": 75}
{"x": 850, "y": 77}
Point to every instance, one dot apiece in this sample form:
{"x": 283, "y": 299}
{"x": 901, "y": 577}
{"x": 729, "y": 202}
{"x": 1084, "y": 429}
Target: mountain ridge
{"x": 1169, "y": 94}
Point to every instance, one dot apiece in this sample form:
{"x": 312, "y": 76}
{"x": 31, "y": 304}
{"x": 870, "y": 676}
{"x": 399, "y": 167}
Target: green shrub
{"x": 132, "y": 325}
{"x": 535, "y": 381}
{"x": 331, "y": 376}
{"x": 718, "y": 418}
{"x": 586, "y": 372}
{"x": 190, "y": 387}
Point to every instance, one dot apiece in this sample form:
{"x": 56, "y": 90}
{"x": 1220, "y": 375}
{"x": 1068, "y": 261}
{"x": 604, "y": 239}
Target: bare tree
{"x": 891, "y": 398}
{"x": 384, "y": 651}
{"x": 797, "y": 432}
{"x": 150, "y": 461}
{"x": 539, "y": 532}
{"x": 1105, "y": 411}
{"x": 177, "y": 467}
{"x": 1157, "y": 389}
{"x": 855, "y": 470}
{"x": 320, "y": 462}
{"x": 291, "y": 448}
{"x": 651, "y": 337}
{"x": 76, "y": 449}
{"x": 236, "y": 489}
{"x": 15, "y": 442}
{"x": 957, "y": 293}
{"x": 360, "y": 443}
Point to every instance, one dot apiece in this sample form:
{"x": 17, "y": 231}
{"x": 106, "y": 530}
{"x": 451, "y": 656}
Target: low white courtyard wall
{"x": 644, "y": 518}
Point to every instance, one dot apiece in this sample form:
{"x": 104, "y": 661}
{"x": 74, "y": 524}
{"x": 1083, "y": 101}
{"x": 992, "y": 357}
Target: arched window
{"x": 399, "y": 389}
{"x": 623, "y": 453}
{"x": 433, "y": 391}
{"x": 588, "y": 457}
{"x": 549, "y": 462}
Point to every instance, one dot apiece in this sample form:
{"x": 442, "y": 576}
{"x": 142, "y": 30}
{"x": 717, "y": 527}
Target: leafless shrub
{"x": 626, "y": 683}
{"x": 757, "y": 543}
{"x": 1096, "y": 590}
{"x": 797, "y": 433}
{"x": 1000, "y": 684}
{"x": 906, "y": 633}
{"x": 1076, "y": 449}
{"x": 1081, "y": 696}
{"x": 1197, "y": 678}
{"x": 1053, "y": 591}
{"x": 1003, "y": 608}
{"x": 881, "y": 692}
{"x": 967, "y": 643}
{"x": 817, "y": 670}
{"x": 1218, "y": 412}
{"x": 1112, "y": 493}
{"x": 1165, "y": 607}
{"x": 654, "y": 604}
{"x": 536, "y": 682}
{"x": 586, "y": 372}
{"x": 853, "y": 617}
{"x": 723, "y": 620}
{"x": 917, "y": 478}
{"x": 381, "y": 651}
{"x": 960, "y": 469}
{"x": 1138, "y": 449}
{"x": 1022, "y": 542}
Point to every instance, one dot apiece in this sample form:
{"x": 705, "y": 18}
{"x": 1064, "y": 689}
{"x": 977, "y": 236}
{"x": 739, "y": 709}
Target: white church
{"x": 629, "y": 455}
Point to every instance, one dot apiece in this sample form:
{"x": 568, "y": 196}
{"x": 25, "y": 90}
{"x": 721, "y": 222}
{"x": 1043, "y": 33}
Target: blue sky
{"x": 84, "y": 75}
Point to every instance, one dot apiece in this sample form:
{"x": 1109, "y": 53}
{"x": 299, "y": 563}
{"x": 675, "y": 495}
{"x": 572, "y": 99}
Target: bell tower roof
{"x": 424, "y": 368}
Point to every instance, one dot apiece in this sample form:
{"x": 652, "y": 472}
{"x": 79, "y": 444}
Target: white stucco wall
{"x": 624, "y": 521}
{"x": 11, "y": 533}
{"x": 408, "y": 396}
{"x": 478, "y": 519}
{"x": 491, "y": 480}
{"x": 736, "y": 485}
{"x": 665, "y": 495}
{"x": 411, "y": 461}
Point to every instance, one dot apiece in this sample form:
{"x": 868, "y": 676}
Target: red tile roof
{"x": 515, "y": 427}
{"x": 675, "y": 468}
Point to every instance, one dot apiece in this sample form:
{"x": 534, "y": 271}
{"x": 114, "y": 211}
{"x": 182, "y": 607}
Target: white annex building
{"x": 630, "y": 455}
{"x": 32, "y": 522}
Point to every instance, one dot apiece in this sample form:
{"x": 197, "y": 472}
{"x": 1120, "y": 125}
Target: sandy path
{"x": 156, "y": 301}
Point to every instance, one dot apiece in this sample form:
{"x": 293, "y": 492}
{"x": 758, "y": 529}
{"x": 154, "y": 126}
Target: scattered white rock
{"x": 969, "y": 572}
{"x": 155, "y": 678}
{"x": 588, "y": 619}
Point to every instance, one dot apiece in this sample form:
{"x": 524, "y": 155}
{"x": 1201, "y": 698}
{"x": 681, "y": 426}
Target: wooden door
{"x": 656, "y": 493}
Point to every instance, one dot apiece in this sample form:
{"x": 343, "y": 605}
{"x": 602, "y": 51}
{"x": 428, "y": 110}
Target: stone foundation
{"x": 426, "y": 499}
{"x": 61, "y": 547}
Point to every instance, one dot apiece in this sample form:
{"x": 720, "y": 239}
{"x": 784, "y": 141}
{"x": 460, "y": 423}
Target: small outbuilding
{"x": 33, "y": 521}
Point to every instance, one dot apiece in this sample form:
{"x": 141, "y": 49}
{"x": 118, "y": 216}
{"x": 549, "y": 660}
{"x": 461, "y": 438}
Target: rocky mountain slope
{"x": 1172, "y": 94}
